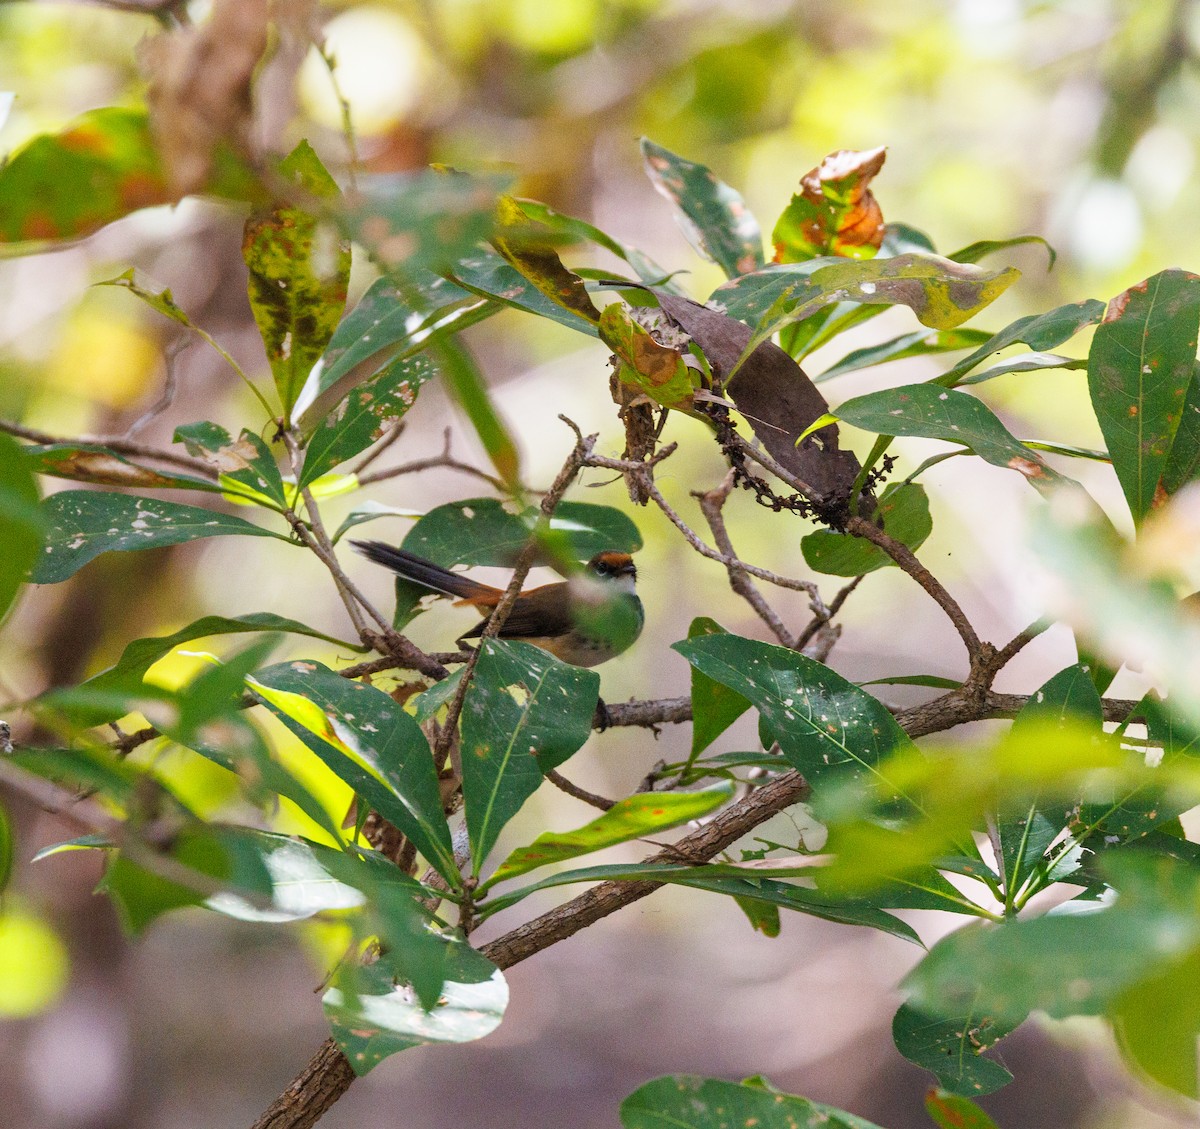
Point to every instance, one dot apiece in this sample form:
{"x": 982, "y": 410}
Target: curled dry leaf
{"x": 834, "y": 213}
{"x": 200, "y": 88}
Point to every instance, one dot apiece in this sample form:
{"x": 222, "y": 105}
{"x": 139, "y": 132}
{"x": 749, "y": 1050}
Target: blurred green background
{"x": 1077, "y": 120}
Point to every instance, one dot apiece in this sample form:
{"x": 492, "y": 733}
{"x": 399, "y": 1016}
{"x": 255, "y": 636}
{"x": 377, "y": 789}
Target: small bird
{"x": 584, "y": 621}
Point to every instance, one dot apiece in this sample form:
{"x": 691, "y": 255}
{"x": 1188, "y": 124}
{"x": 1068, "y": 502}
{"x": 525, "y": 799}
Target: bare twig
{"x": 711, "y": 506}
{"x": 907, "y": 560}
{"x": 120, "y": 446}
{"x": 822, "y": 619}
{"x": 445, "y": 460}
{"x": 564, "y": 785}
{"x": 171, "y": 352}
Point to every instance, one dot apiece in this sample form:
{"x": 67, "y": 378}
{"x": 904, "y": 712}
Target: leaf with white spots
{"x": 524, "y": 714}
{"x": 82, "y": 524}
{"x": 684, "y": 1101}
{"x": 933, "y": 412}
{"x": 826, "y": 727}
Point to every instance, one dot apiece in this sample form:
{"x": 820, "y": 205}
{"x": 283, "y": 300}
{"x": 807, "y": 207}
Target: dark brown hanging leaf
{"x": 772, "y": 391}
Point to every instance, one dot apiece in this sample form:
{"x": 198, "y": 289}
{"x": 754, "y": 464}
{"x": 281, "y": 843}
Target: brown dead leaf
{"x": 200, "y": 88}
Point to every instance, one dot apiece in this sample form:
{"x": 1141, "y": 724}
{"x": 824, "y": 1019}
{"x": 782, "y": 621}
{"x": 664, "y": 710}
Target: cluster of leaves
{"x": 1061, "y": 798}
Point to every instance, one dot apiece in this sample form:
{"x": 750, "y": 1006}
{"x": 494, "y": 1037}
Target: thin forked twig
{"x": 171, "y": 353}
{"x": 711, "y": 506}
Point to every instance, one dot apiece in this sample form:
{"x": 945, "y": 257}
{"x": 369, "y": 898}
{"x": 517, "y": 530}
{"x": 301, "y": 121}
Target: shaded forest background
{"x": 1073, "y": 120}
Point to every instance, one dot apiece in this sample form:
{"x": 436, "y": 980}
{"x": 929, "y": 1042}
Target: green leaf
{"x": 656, "y": 370}
{"x": 299, "y": 271}
{"x": 100, "y": 167}
{"x": 685, "y": 1101}
{"x": 367, "y": 414}
{"x": 1132, "y": 813}
{"x": 933, "y": 412}
{"x": 248, "y": 463}
{"x": 370, "y": 743}
{"x": 6, "y": 849}
{"x": 1038, "y": 331}
{"x": 1183, "y": 463}
{"x": 935, "y": 681}
{"x": 1085, "y": 963}
{"x": 1029, "y": 362}
{"x": 372, "y": 1016}
{"x": 826, "y": 727}
{"x": 904, "y": 508}
{"x": 1139, "y": 370}
{"x": 715, "y": 707}
{"x": 82, "y": 524}
{"x": 922, "y": 343}
{"x": 98, "y": 769}
{"x": 125, "y": 677}
{"x": 1025, "y": 834}
{"x": 488, "y": 275}
{"x": 480, "y": 531}
{"x": 951, "y": 1048}
{"x": 525, "y": 713}
{"x": 392, "y": 321}
{"x": 835, "y": 212}
{"x": 576, "y": 229}
{"x": 21, "y": 521}
{"x": 632, "y": 818}
{"x": 713, "y": 216}
{"x": 973, "y": 252}
{"x": 469, "y": 391}
{"x": 423, "y": 221}
{"x": 950, "y": 1111}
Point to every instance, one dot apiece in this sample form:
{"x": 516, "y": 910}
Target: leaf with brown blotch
{"x": 517, "y": 239}
{"x": 835, "y": 212}
{"x": 657, "y": 370}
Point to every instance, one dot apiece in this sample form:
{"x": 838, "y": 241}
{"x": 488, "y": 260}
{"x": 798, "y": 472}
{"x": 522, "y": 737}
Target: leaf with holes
{"x": 933, "y": 412}
{"x": 689, "y": 1102}
{"x": 827, "y": 727}
{"x": 365, "y": 416}
{"x": 82, "y": 524}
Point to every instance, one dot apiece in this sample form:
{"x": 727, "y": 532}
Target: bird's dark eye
{"x": 602, "y": 568}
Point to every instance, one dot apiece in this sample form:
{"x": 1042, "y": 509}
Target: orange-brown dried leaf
{"x": 835, "y": 212}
